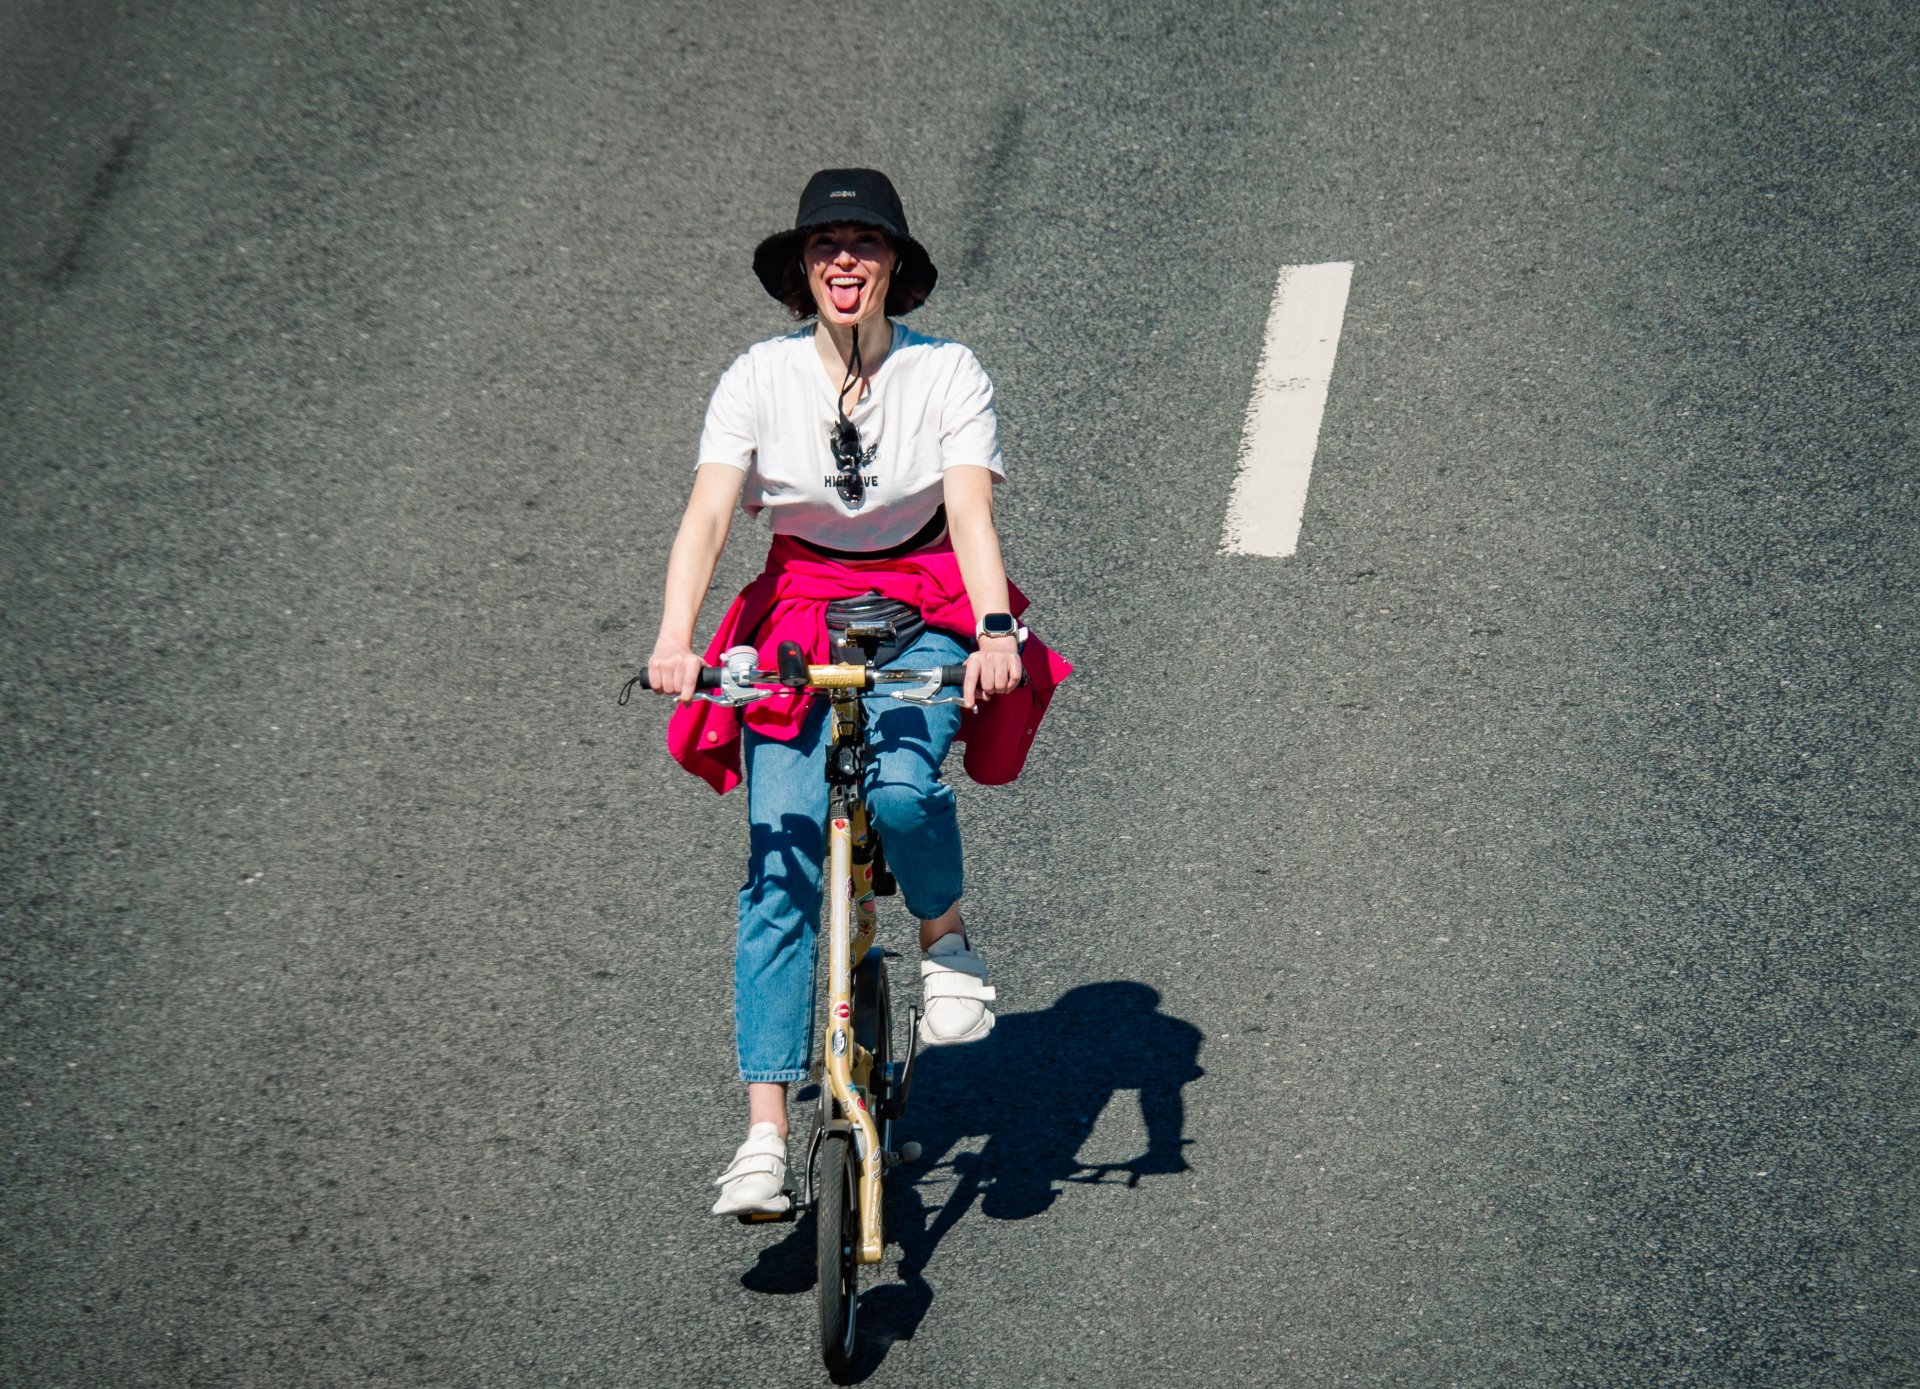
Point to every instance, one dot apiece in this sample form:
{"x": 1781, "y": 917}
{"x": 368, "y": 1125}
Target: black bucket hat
{"x": 831, "y": 197}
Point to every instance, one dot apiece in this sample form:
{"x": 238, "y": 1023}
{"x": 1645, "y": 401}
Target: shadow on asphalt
{"x": 1032, "y": 1091}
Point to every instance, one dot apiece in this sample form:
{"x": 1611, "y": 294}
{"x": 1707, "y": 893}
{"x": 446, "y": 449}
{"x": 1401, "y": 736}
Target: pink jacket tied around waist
{"x": 788, "y": 602}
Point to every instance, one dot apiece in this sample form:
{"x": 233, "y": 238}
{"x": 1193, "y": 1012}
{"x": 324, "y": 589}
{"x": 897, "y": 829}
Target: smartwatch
{"x": 998, "y": 625}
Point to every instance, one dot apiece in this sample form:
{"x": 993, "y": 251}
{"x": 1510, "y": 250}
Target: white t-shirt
{"x": 928, "y": 407}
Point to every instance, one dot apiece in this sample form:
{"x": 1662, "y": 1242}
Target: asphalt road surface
{"x": 1477, "y": 949}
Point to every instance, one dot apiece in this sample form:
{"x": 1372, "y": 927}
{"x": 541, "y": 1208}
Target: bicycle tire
{"x": 836, "y": 1210}
{"x": 873, "y": 1022}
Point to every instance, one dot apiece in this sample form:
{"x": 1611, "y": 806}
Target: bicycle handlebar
{"x": 710, "y": 677}
{"x": 843, "y": 677}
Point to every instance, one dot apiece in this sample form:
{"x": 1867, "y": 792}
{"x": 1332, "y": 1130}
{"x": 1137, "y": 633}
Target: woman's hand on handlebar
{"x": 993, "y": 669}
{"x": 673, "y": 669}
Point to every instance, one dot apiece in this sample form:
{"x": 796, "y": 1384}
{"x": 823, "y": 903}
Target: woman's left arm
{"x": 995, "y": 667}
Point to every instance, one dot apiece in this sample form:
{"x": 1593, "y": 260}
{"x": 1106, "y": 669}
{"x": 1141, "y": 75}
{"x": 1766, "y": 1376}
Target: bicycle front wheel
{"x": 837, "y": 1213}
{"x": 873, "y": 1025}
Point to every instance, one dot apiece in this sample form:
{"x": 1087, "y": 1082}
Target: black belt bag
{"x": 872, "y": 628}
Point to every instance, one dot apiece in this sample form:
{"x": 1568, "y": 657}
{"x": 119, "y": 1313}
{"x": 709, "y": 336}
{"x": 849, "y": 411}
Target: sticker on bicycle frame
{"x": 842, "y": 1011}
{"x": 840, "y": 824}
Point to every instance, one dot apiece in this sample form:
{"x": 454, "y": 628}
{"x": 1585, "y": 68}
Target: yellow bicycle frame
{"x": 851, "y": 927}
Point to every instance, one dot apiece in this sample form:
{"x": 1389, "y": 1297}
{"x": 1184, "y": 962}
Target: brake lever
{"x": 925, "y": 694}
{"x": 736, "y": 699}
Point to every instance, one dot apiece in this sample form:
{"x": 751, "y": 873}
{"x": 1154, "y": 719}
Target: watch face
{"x": 997, "y": 624}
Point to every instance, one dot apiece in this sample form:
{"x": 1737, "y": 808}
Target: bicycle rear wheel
{"x": 836, "y": 1212}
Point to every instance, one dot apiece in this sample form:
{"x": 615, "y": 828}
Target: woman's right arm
{"x": 674, "y": 668}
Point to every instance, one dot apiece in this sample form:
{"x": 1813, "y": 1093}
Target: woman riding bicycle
{"x": 875, "y": 451}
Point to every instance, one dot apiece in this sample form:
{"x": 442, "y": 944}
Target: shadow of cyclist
{"x": 1033, "y": 1090}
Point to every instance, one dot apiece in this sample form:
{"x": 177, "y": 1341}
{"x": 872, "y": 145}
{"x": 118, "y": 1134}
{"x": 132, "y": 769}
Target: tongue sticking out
{"x": 846, "y": 298}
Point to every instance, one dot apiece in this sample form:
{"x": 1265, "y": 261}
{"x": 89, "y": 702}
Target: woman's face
{"x": 849, "y": 268}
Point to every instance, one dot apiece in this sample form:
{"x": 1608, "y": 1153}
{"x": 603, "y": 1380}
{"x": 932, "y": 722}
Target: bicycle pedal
{"x": 787, "y": 1216}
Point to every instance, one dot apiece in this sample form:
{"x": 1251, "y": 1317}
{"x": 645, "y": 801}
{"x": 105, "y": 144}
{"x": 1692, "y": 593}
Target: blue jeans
{"x": 773, "y": 961}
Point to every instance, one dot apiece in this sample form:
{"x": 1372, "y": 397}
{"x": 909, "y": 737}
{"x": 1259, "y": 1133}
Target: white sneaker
{"x": 954, "y": 993}
{"x": 754, "y": 1182}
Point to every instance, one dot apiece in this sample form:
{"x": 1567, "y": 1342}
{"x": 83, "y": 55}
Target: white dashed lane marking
{"x": 1283, "y": 417}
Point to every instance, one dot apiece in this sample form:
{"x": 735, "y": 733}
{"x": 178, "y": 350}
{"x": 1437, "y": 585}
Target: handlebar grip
{"x": 709, "y": 679}
{"x": 953, "y": 675}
